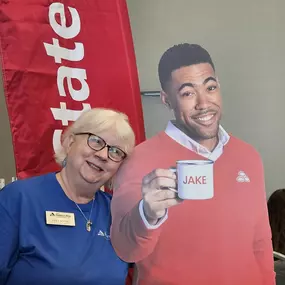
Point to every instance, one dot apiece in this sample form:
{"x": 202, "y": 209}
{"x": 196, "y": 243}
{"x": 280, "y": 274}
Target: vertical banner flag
{"x": 60, "y": 58}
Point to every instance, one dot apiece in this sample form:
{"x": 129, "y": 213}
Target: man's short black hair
{"x": 179, "y": 56}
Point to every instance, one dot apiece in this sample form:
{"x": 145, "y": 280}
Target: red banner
{"x": 58, "y": 59}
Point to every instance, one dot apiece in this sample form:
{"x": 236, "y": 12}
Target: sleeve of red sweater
{"x": 262, "y": 246}
{"x": 131, "y": 239}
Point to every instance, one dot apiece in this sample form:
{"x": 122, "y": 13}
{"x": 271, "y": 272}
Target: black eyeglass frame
{"x": 105, "y": 145}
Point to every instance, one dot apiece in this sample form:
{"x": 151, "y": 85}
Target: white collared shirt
{"x": 181, "y": 138}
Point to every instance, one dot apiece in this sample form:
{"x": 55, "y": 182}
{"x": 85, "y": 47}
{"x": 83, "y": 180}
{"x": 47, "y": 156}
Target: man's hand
{"x": 156, "y": 195}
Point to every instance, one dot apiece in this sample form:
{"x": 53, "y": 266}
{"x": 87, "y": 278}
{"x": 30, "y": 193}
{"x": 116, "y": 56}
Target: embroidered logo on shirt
{"x": 103, "y": 234}
{"x": 242, "y": 177}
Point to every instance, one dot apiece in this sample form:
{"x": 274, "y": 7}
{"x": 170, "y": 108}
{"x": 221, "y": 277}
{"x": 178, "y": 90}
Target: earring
{"x": 63, "y": 164}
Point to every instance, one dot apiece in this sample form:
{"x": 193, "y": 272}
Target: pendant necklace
{"x": 88, "y": 221}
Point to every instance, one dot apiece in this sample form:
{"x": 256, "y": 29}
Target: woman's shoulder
{"x": 19, "y": 195}
{"x": 25, "y": 187}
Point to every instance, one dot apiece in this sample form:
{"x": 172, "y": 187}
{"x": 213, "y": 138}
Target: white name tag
{"x": 60, "y": 218}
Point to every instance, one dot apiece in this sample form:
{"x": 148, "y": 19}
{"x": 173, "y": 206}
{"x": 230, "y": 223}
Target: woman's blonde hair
{"x": 96, "y": 121}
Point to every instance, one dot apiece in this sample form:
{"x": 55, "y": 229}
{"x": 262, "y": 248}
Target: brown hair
{"x": 276, "y": 211}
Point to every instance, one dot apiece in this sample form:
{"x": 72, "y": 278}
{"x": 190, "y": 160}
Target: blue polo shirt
{"x": 33, "y": 252}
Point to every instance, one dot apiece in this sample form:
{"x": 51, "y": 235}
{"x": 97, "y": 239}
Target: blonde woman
{"x": 55, "y": 227}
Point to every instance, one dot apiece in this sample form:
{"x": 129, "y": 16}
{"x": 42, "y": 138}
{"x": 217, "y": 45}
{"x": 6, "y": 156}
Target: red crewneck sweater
{"x": 222, "y": 241}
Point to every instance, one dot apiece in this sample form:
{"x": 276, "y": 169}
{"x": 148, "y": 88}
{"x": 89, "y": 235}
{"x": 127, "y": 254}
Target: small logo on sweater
{"x": 103, "y": 234}
{"x": 242, "y": 177}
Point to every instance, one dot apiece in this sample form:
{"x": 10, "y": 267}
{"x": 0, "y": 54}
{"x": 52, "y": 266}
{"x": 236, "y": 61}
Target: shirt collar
{"x": 181, "y": 138}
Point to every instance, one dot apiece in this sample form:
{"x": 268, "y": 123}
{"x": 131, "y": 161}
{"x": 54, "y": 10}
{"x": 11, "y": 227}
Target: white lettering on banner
{"x": 64, "y": 72}
{"x": 64, "y": 115}
{"x": 68, "y": 73}
{"x": 60, "y": 53}
{"x": 61, "y": 29}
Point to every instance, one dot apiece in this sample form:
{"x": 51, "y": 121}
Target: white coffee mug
{"x": 195, "y": 179}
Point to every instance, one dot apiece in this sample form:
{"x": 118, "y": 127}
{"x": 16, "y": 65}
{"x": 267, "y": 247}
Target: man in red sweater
{"x": 225, "y": 240}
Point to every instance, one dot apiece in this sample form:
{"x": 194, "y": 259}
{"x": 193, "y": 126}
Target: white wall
{"x": 247, "y": 42}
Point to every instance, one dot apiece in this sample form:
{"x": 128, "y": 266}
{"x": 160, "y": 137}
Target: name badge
{"x": 60, "y": 219}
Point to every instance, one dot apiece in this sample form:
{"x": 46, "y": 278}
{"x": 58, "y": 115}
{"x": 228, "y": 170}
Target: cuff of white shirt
{"x": 147, "y": 224}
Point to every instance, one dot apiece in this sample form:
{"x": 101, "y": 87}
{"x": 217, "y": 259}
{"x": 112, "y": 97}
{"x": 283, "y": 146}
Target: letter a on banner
{"x": 60, "y": 58}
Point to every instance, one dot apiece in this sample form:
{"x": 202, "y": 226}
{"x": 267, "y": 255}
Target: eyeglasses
{"x": 97, "y": 143}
